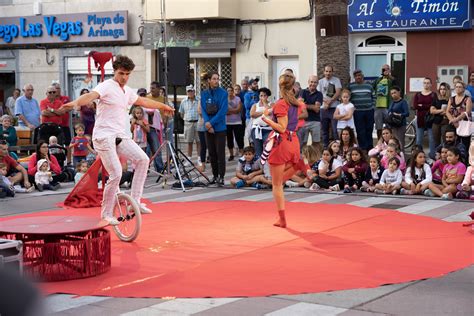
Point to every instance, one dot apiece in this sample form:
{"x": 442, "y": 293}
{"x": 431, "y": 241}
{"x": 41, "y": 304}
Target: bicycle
{"x": 410, "y": 133}
{"x": 127, "y": 212}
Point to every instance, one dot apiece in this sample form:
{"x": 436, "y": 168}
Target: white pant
{"x": 109, "y": 153}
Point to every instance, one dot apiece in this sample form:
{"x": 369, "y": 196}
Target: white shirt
{"x": 389, "y": 177}
{"x": 343, "y": 110}
{"x": 112, "y": 110}
{"x": 418, "y": 175}
{"x": 323, "y": 165}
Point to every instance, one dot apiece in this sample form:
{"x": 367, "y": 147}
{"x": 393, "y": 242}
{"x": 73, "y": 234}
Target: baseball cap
{"x": 190, "y": 88}
{"x": 253, "y": 80}
{"x": 357, "y": 71}
{"x": 141, "y": 91}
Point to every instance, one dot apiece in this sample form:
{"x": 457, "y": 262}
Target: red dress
{"x": 286, "y": 149}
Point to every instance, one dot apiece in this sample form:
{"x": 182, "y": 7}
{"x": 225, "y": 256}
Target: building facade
{"x": 418, "y": 38}
{"x": 239, "y": 39}
{"x": 46, "y": 42}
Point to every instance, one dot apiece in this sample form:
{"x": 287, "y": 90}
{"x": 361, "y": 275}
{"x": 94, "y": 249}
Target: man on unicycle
{"x": 110, "y": 136}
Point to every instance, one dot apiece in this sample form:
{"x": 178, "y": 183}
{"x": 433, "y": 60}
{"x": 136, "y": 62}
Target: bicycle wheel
{"x": 127, "y": 212}
{"x": 410, "y": 136}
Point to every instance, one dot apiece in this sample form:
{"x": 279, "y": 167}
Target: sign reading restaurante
{"x": 108, "y": 26}
{"x": 408, "y": 15}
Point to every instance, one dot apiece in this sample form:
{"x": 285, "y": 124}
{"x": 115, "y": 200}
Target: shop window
{"x": 381, "y": 40}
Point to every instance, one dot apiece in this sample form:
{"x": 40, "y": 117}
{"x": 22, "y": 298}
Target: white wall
{"x": 290, "y": 39}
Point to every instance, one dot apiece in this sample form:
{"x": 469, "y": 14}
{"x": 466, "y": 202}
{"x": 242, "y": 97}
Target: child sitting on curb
{"x": 247, "y": 169}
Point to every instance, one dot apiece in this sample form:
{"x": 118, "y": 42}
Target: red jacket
{"x": 53, "y": 165}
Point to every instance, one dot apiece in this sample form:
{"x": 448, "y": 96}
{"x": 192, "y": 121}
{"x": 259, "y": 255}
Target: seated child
{"x": 438, "y": 166}
{"x": 466, "y": 188}
{"x": 6, "y": 186}
{"x": 81, "y": 169}
{"x": 329, "y": 172}
{"x": 248, "y": 167}
{"x": 391, "y": 178}
{"x": 391, "y": 152}
{"x": 59, "y": 151}
{"x": 418, "y": 176}
{"x": 372, "y": 175}
{"x": 453, "y": 174}
{"x": 44, "y": 177}
{"x": 354, "y": 170}
{"x": 263, "y": 181}
{"x": 308, "y": 166}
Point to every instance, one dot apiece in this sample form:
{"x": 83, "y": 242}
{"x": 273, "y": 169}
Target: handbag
{"x": 464, "y": 129}
{"x": 394, "y": 120}
{"x": 211, "y": 109}
{"x": 429, "y": 119}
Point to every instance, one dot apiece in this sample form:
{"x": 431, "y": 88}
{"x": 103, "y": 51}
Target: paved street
{"x": 448, "y": 295}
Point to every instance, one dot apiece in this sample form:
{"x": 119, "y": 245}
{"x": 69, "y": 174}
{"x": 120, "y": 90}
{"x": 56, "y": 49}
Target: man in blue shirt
{"x": 214, "y": 106}
{"x": 244, "y": 88}
{"x": 27, "y": 109}
{"x": 251, "y": 97}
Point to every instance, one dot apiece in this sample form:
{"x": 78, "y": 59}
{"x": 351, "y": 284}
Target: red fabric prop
{"x": 100, "y": 59}
{"x": 86, "y": 192}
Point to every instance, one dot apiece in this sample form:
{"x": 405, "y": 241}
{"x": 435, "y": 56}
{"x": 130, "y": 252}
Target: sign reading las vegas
{"x": 408, "y": 15}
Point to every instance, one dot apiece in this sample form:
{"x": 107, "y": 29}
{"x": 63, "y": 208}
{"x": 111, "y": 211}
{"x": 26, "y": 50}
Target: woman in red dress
{"x": 285, "y": 153}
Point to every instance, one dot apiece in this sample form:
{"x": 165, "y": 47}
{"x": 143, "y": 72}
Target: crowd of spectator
{"x": 336, "y": 125}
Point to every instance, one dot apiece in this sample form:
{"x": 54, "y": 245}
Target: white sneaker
{"x": 144, "y": 209}
{"x": 314, "y": 187}
{"x": 335, "y": 187}
{"x": 125, "y": 185}
{"x": 292, "y": 184}
{"x": 112, "y": 220}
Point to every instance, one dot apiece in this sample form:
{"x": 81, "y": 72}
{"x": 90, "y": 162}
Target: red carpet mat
{"x": 224, "y": 249}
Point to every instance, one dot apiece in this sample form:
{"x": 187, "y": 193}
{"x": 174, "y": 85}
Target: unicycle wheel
{"x": 127, "y": 212}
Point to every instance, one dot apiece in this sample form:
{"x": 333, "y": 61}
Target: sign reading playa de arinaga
{"x": 408, "y": 15}
{"x": 108, "y": 26}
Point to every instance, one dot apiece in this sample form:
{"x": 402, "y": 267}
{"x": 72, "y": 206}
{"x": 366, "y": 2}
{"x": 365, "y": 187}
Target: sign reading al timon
{"x": 408, "y": 15}
{"x": 93, "y": 27}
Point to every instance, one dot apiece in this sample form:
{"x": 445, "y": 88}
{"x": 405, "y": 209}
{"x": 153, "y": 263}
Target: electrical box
{"x": 446, "y": 73}
{"x": 246, "y": 32}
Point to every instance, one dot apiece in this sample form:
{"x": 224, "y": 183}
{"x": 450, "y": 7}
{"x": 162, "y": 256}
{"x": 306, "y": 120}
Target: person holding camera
{"x": 214, "y": 106}
{"x": 382, "y": 86}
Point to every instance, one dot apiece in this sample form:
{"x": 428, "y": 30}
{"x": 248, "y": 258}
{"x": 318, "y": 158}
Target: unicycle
{"x": 127, "y": 212}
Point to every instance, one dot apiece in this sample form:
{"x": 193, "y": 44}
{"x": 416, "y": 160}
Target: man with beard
{"x": 450, "y": 140}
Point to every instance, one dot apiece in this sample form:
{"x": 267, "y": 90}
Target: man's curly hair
{"x": 123, "y": 62}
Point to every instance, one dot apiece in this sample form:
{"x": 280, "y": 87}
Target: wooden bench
{"x": 25, "y": 142}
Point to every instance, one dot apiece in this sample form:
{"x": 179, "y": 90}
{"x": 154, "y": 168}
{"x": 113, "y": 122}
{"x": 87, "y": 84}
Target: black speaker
{"x": 178, "y": 66}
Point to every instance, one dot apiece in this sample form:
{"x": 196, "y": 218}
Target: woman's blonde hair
{"x": 310, "y": 153}
{"x": 286, "y": 82}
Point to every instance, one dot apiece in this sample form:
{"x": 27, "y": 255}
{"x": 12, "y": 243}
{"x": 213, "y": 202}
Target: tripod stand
{"x": 184, "y": 167}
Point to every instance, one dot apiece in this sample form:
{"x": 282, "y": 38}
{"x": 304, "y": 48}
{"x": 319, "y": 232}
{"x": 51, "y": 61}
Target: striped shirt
{"x": 362, "y": 96}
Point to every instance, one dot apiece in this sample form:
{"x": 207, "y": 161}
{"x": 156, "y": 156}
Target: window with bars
{"x": 223, "y": 66}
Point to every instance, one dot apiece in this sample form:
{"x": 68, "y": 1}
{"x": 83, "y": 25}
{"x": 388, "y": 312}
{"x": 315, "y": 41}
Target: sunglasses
{"x": 51, "y": 92}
